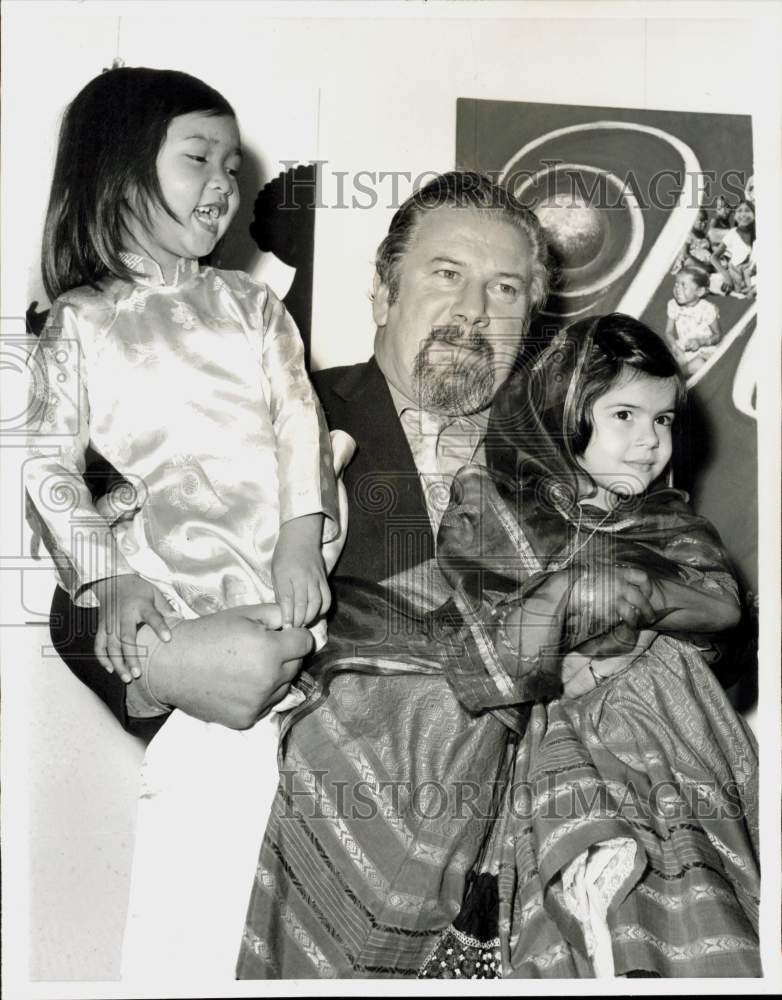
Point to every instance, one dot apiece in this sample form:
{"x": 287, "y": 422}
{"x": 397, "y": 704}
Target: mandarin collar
{"x": 147, "y": 271}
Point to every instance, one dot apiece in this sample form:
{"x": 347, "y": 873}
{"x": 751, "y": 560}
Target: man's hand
{"x": 230, "y": 667}
{"x": 298, "y": 573}
{"x": 126, "y": 602}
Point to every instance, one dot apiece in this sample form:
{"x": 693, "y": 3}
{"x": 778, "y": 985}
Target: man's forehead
{"x": 483, "y": 232}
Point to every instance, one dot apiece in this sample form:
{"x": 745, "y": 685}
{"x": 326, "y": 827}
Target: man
{"x": 458, "y": 276}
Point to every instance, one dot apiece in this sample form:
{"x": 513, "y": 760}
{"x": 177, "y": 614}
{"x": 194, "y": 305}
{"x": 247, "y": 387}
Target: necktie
{"x": 441, "y": 445}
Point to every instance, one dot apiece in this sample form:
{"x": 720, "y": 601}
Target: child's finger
{"x": 101, "y": 653}
{"x": 640, "y": 579}
{"x": 128, "y": 630}
{"x": 313, "y": 603}
{"x": 300, "y": 605}
{"x": 285, "y": 601}
{"x": 627, "y": 612}
{"x": 640, "y": 602}
{"x": 132, "y": 654}
{"x": 325, "y": 596}
{"x": 114, "y": 650}
{"x": 157, "y": 623}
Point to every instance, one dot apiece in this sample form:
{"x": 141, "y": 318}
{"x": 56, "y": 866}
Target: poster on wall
{"x": 651, "y": 213}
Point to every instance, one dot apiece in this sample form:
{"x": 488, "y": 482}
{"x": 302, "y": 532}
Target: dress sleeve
{"x": 671, "y": 309}
{"x": 59, "y": 504}
{"x": 304, "y": 460}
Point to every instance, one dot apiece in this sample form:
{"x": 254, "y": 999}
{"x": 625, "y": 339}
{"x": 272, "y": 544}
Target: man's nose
{"x": 469, "y": 309}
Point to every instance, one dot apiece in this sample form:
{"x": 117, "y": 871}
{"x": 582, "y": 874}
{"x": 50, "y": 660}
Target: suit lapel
{"x": 384, "y": 453}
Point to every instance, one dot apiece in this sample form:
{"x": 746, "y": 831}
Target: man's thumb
{"x": 295, "y": 643}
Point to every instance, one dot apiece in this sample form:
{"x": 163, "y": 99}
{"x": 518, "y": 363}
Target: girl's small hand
{"x": 126, "y": 602}
{"x": 603, "y": 597}
{"x": 298, "y": 573}
{"x": 300, "y": 587}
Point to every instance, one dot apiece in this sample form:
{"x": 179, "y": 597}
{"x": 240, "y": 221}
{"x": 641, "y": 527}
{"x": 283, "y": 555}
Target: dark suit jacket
{"x": 389, "y": 529}
{"x": 388, "y": 526}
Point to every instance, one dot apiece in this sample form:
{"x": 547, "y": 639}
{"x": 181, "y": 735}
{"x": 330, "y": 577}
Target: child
{"x": 722, "y": 220}
{"x": 189, "y": 380}
{"x": 435, "y": 755}
{"x": 693, "y": 328}
{"x": 732, "y": 258}
{"x": 697, "y": 248}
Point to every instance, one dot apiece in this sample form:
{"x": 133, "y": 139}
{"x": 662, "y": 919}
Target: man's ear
{"x": 379, "y": 301}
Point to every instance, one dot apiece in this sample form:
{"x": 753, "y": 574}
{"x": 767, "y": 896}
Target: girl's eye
{"x": 623, "y": 415}
{"x": 665, "y": 420}
{"x": 198, "y": 159}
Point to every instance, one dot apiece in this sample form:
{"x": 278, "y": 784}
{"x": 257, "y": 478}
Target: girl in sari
{"x": 541, "y": 778}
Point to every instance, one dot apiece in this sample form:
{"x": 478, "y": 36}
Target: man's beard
{"x": 454, "y": 372}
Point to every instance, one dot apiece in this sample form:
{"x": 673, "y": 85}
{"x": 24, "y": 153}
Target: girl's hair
{"x": 698, "y": 275}
{"x": 620, "y": 346}
{"x": 106, "y": 166}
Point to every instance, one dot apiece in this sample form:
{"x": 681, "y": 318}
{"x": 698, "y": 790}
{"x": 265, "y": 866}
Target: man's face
{"x": 452, "y": 335}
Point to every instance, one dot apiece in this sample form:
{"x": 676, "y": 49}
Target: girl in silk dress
{"x": 445, "y": 807}
{"x": 190, "y": 382}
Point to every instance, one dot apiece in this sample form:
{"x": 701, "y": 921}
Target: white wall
{"x": 373, "y": 93}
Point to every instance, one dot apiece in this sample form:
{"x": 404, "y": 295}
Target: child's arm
{"x": 126, "y": 603}
{"x": 307, "y": 485}
{"x": 716, "y": 263}
{"x": 298, "y": 571}
{"x": 681, "y": 607}
{"x": 716, "y": 331}
{"x": 711, "y": 320}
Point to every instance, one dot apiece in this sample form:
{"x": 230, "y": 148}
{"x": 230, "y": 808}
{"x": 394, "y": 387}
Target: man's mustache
{"x": 459, "y": 336}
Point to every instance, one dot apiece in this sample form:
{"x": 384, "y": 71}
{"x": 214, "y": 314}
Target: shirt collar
{"x": 148, "y": 272}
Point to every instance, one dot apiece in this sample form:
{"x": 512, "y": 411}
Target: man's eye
{"x": 447, "y": 273}
{"x": 506, "y": 290}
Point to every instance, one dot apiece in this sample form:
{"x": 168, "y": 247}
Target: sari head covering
{"x": 541, "y": 420}
{"x": 510, "y": 530}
